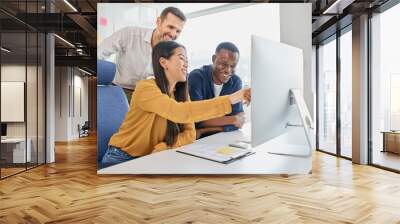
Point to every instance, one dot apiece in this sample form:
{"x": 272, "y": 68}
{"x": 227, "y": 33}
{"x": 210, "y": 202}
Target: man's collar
{"x": 211, "y": 76}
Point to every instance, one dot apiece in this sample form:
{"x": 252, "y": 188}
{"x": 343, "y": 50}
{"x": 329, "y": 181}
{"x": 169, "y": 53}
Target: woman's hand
{"x": 241, "y": 95}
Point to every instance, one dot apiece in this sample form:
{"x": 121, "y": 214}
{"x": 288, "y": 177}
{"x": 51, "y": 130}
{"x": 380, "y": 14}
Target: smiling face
{"x": 224, "y": 64}
{"x": 175, "y": 67}
{"x": 169, "y": 28}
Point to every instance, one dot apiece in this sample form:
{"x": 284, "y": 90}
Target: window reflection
{"x": 327, "y": 97}
{"x": 346, "y": 93}
{"x": 385, "y": 88}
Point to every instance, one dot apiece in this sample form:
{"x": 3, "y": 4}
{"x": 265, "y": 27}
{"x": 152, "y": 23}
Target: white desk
{"x": 18, "y": 150}
{"x": 262, "y": 162}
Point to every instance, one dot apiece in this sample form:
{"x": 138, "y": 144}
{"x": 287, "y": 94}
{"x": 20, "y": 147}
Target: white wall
{"x": 12, "y": 101}
{"x": 70, "y": 83}
{"x": 112, "y": 17}
{"x": 295, "y": 30}
{"x": 61, "y": 103}
{"x": 79, "y": 117}
{"x": 12, "y": 73}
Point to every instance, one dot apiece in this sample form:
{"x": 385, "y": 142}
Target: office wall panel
{"x": 16, "y": 73}
{"x": 12, "y": 101}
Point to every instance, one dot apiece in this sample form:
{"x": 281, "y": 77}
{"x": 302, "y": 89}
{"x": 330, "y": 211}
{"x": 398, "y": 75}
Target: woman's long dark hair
{"x": 166, "y": 49}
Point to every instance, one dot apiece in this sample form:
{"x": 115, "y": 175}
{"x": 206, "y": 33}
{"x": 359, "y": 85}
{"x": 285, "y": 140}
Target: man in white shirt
{"x": 133, "y": 47}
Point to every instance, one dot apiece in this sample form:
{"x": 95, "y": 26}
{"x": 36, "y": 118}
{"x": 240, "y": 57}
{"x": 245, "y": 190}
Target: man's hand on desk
{"x": 238, "y": 120}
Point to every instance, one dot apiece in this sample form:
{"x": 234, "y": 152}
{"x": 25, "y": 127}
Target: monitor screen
{"x": 275, "y": 69}
{"x": 277, "y": 102}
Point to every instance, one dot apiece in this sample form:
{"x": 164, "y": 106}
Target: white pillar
{"x": 50, "y": 92}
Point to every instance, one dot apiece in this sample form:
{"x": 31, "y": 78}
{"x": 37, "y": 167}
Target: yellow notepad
{"x": 226, "y": 150}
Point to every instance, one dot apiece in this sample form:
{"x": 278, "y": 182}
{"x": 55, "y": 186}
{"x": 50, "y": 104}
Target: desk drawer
{"x": 392, "y": 142}
{"x": 6, "y": 154}
{"x": 15, "y": 152}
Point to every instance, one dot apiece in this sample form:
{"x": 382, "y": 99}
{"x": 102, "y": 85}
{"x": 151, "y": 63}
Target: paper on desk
{"x": 215, "y": 151}
{"x": 226, "y": 150}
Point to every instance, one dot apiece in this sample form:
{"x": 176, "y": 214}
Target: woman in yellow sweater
{"x": 161, "y": 115}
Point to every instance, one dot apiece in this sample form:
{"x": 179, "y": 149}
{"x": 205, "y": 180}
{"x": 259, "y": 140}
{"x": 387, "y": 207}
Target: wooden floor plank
{"x": 70, "y": 191}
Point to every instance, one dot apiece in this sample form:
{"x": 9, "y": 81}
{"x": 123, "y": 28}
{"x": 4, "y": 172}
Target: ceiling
{"x": 76, "y": 23}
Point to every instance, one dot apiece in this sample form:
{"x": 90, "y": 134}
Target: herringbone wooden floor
{"x": 70, "y": 191}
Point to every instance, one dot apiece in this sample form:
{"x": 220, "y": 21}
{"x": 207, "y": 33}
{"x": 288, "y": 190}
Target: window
{"x": 335, "y": 74}
{"x": 346, "y": 94}
{"x": 327, "y": 96}
{"x": 385, "y": 88}
{"x": 394, "y": 101}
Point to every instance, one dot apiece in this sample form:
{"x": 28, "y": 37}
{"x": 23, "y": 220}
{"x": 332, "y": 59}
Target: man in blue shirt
{"x": 218, "y": 79}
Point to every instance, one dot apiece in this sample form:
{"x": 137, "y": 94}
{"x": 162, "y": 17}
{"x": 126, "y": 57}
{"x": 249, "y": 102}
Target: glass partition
{"x": 22, "y": 77}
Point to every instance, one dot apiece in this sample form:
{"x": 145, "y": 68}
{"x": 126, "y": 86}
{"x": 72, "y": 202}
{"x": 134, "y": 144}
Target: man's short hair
{"x": 175, "y": 11}
{"x": 227, "y": 46}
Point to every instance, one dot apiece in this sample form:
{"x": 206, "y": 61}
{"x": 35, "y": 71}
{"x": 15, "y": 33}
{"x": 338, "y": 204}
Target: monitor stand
{"x": 307, "y": 124}
{"x": 291, "y": 150}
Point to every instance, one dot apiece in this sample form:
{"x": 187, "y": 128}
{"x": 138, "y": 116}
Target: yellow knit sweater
{"x": 144, "y": 128}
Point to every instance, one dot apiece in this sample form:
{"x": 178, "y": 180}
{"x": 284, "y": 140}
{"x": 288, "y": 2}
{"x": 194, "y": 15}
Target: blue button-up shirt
{"x": 201, "y": 87}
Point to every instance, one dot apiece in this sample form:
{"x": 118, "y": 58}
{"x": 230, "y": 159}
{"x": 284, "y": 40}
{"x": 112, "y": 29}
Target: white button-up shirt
{"x": 132, "y": 46}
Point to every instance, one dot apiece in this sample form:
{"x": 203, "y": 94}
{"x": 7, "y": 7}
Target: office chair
{"x": 84, "y": 129}
{"x": 112, "y": 106}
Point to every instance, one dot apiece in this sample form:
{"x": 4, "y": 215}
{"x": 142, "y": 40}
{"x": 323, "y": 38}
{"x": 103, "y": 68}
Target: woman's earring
{"x": 166, "y": 68}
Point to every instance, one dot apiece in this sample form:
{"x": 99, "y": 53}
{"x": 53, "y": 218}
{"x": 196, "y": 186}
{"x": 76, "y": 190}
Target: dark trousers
{"x": 128, "y": 93}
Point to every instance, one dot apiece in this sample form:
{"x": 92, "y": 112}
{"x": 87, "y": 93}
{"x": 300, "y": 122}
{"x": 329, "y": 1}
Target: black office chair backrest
{"x": 86, "y": 125}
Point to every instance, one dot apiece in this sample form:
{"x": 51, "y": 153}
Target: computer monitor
{"x": 3, "y": 129}
{"x": 276, "y": 83}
